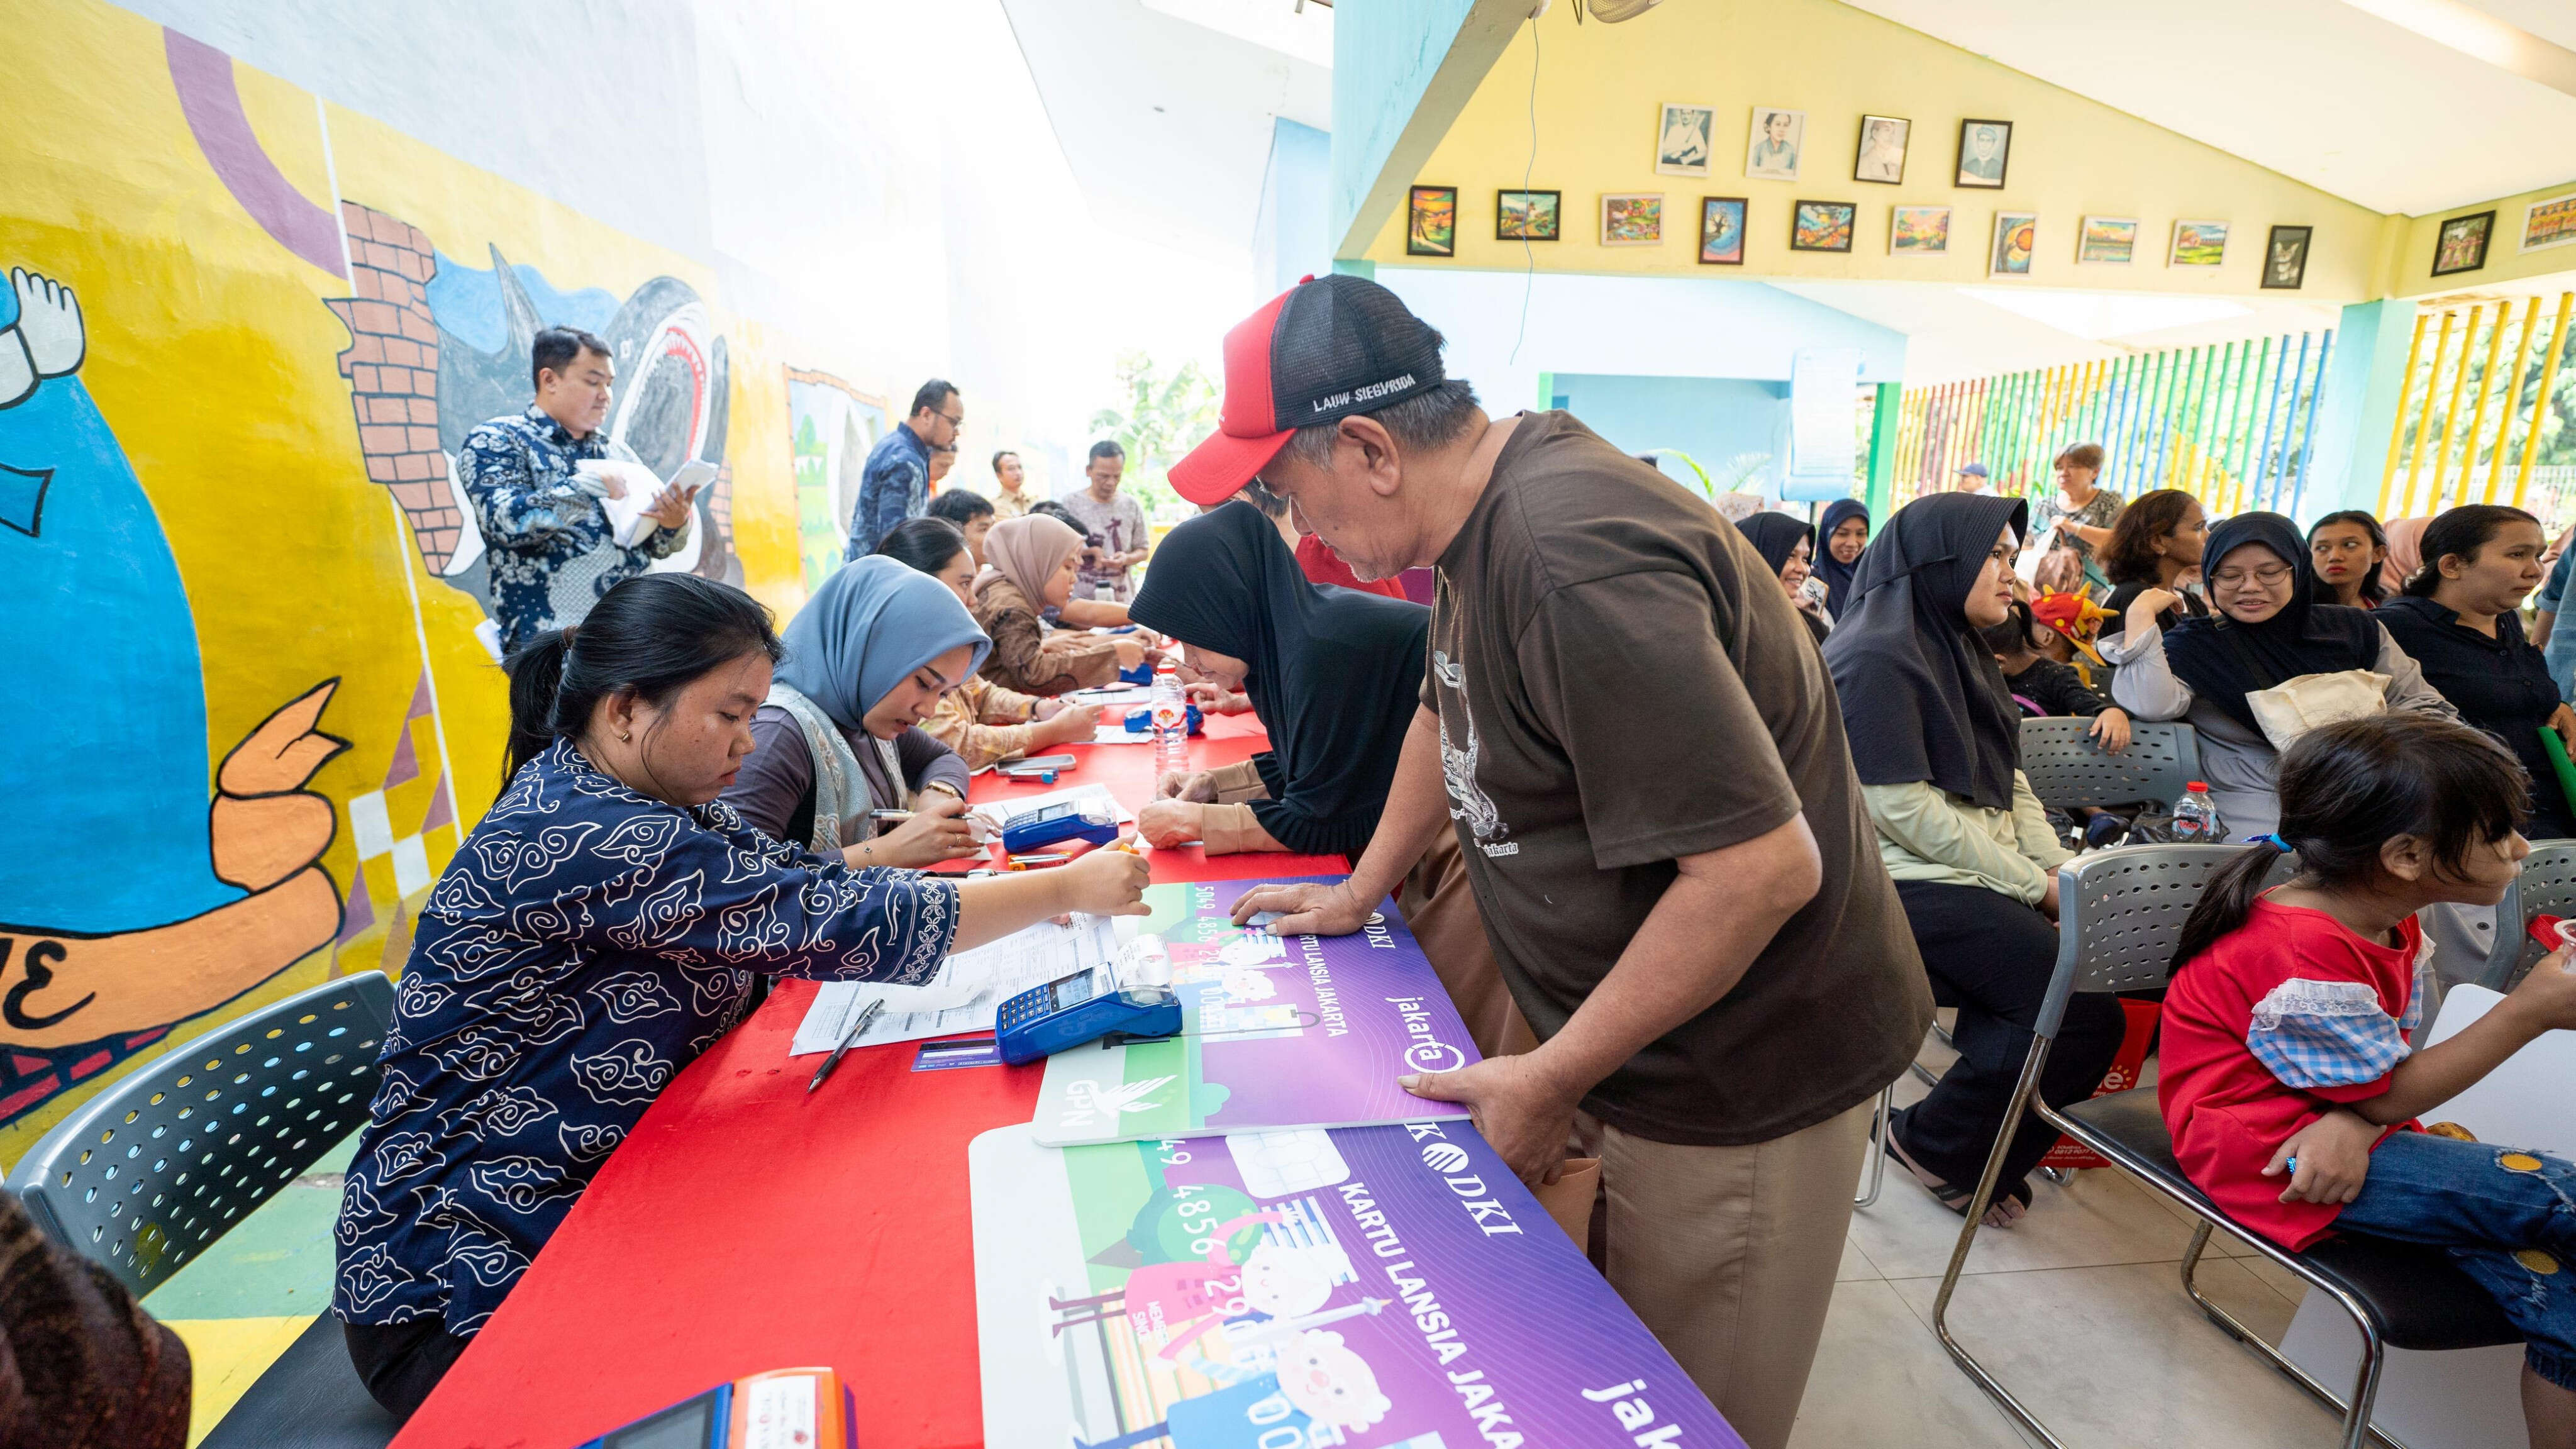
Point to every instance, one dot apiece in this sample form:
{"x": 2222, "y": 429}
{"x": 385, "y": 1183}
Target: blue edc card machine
{"x": 1095, "y": 820}
{"x": 797, "y": 1408}
{"x": 1082, "y": 1007}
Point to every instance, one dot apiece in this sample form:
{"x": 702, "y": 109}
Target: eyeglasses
{"x": 954, "y": 420}
{"x": 2237, "y": 578}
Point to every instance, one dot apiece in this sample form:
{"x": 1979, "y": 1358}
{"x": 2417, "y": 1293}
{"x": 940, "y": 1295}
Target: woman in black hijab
{"x": 1335, "y": 676}
{"x": 1936, "y": 741}
{"x": 1839, "y": 549}
{"x": 1788, "y": 545}
{"x": 2270, "y": 625}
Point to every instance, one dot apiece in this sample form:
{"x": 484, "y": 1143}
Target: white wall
{"x": 875, "y": 179}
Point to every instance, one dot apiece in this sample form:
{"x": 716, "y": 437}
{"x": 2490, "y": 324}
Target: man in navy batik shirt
{"x": 551, "y": 547}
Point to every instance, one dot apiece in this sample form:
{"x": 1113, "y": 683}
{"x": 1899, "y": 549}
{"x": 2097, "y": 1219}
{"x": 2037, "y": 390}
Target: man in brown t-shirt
{"x": 1644, "y": 759}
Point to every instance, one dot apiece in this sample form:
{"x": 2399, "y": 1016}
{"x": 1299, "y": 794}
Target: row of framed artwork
{"x": 2461, "y": 244}
{"x": 1776, "y": 146}
{"x": 1636, "y": 219}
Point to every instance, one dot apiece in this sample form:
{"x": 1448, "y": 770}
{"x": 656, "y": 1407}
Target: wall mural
{"x": 832, "y": 425}
{"x": 127, "y": 900}
{"x": 237, "y": 322}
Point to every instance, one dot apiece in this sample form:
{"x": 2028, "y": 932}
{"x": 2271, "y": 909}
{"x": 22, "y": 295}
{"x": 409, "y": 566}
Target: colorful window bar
{"x": 2231, "y": 423}
{"x": 2435, "y": 463}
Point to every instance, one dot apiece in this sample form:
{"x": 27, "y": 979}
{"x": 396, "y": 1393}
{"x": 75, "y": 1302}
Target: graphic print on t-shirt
{"x": 1468, "y": 801}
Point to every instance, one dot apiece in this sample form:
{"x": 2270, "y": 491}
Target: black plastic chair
{"x": 154, "y": 1170}
{"x": 2546, "y": 887}
{"x": 2068, "y": 770}
{"x": 2122, "y": 911}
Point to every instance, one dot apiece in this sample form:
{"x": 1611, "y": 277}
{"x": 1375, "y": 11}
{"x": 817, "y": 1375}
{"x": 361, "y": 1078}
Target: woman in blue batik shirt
{"x": 600, "y": 928}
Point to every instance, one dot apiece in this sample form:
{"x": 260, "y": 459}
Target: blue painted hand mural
{"x": 127, "y": 902}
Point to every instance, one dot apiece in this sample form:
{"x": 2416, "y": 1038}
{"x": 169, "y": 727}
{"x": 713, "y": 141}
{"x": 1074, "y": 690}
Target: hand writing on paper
{"x": 1525, "y": 1114}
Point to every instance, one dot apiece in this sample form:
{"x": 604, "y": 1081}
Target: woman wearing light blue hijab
{"x": 867, "y": 659}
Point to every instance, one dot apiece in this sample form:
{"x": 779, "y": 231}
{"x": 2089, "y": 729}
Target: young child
{"x": 2285, "y": 1031}
{"x": 2050, "y": 686}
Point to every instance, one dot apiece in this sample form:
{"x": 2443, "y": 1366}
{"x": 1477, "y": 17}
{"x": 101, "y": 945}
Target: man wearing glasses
{"x": 896, "y": 483}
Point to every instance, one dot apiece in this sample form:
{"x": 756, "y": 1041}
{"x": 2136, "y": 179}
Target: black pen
{"x": 867, "y": 1014}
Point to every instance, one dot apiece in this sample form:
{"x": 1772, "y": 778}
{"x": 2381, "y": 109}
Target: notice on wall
{"x": 1379, "y": 1287}
{"x": 1279, "y": 1031}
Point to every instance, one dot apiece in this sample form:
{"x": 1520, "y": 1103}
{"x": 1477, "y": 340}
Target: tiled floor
{"x": 2079, "y": 1309}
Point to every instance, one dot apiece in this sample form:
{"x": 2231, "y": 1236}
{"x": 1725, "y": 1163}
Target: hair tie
{"x": 2273, "y": 840}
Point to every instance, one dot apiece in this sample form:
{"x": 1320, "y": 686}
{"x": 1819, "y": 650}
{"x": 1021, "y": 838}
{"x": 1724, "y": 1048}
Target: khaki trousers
{"x": 1728, "y": 1255}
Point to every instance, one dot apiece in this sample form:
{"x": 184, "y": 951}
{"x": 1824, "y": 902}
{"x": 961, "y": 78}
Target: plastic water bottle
{"x": 2195, "y": 816}
{"x": 1171, "y": 713}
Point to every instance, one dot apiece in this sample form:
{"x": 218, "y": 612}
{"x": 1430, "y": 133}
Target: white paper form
{"x": 972, "y": 985}
{"x": 1001, "y": 812}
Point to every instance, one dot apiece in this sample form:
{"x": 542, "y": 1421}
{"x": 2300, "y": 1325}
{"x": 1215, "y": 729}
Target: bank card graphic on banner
{"x": 1279, "y": 1031}
{"x": 1379, "y": 1287}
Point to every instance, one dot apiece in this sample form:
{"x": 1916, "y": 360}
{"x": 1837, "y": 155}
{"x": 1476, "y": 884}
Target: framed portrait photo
{"x": 1721, "y": 231}
{"x": 2198, "y": 244}
{"x": 2549, "y": 222}
{"x": 1528, "y": 215}
{"x": 2016, "y": 241}
{"x": 1881, "y": 157}
{"x": 2461, "y": 245}
{"x": 1431, "y": 222}
{"x": 1778, "y": 138}
{"x": 2285, "y": 257}
{"x": 1682, "y": 139}
{"x": 1918, "y": 231}
{"x": 1985, "y": 149}
{"x": 1632, "y": 218}
{"x": 2111, "y": 240}
{"x": 1823, "y": 226}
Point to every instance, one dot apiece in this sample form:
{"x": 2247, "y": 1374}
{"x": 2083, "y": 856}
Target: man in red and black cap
{"x": 1642, "y": 755}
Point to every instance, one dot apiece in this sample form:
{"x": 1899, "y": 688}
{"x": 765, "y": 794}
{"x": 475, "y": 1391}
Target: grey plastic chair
{"x": 148, "y": 1175}
{"x": 2068, "y": 770}
{"x": 2123, "y": 911}
{"x": 2546, "y": 887}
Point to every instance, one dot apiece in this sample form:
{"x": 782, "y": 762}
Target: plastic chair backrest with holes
{"x": 2067, "y": 769}
{"x": 2119, "y": 914}
{"x": 2546, "y": 887}
{"x": 162, "y": 1164}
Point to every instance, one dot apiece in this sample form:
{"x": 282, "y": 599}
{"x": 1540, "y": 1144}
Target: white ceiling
{"x": 2322, "y": 91}
{"x": 1164, "y": 107}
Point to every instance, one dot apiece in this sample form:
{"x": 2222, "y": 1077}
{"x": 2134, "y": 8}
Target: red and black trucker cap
{"x": 1323, "y": 350}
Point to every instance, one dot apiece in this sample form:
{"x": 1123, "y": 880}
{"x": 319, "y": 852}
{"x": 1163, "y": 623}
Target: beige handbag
{"x": 2289, "y": 710}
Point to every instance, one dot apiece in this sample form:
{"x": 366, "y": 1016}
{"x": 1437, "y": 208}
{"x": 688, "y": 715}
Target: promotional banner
{"x": 1379, "y": 1287}
{"x": 1280, "y": 1031}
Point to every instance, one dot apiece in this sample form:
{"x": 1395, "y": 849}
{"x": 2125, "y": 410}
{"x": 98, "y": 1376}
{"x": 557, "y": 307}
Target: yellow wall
{"x": 214, "y": 359}
{"x": 2412, "y": 266}
{"x": 1601, "y": 87}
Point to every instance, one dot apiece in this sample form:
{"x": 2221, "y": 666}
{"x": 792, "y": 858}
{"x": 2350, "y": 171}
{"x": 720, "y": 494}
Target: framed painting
{"x": 2198, "y": 244}
{"x": 2111, "y": 240}
{"x": 1431, "y": 222}
{"x": 1881, "y": 157}
{"x": 2461, "y": 246}
{"x": 2285, "y": 257}
{"x": 2016, "y": 240}
{"x": 1721, "y": 231}
{"x": 1528, "y": 215}
{"x": 1823, "y": 226}
{"x": 1985, "y": 150}
{"x": 1778, "y": 138}
{"x": 1918, "y": 231}
{"x": 1632, "y": 218}
{"x": 1682, "y": 139}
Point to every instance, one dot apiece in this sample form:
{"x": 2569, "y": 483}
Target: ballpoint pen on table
{"x": 867, "y": 1014}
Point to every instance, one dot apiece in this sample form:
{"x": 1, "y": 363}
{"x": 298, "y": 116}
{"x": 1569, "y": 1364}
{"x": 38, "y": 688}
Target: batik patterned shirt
{"x": 586, "y": 945}
{"x": 548, "y": 542}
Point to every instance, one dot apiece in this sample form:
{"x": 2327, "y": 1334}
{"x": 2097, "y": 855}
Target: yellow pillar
{"x": 2424, "y": 424}
{"x": 2451, "y": 413}
{"x": 2486, "y": 388}
{"x": 2512, "y": 399}
{"x": 2397, "y": 425}
{"x": 2540, "y": 404}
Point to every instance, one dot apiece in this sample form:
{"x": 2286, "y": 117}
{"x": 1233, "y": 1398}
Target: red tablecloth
{"x": 745, "y": 1225}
